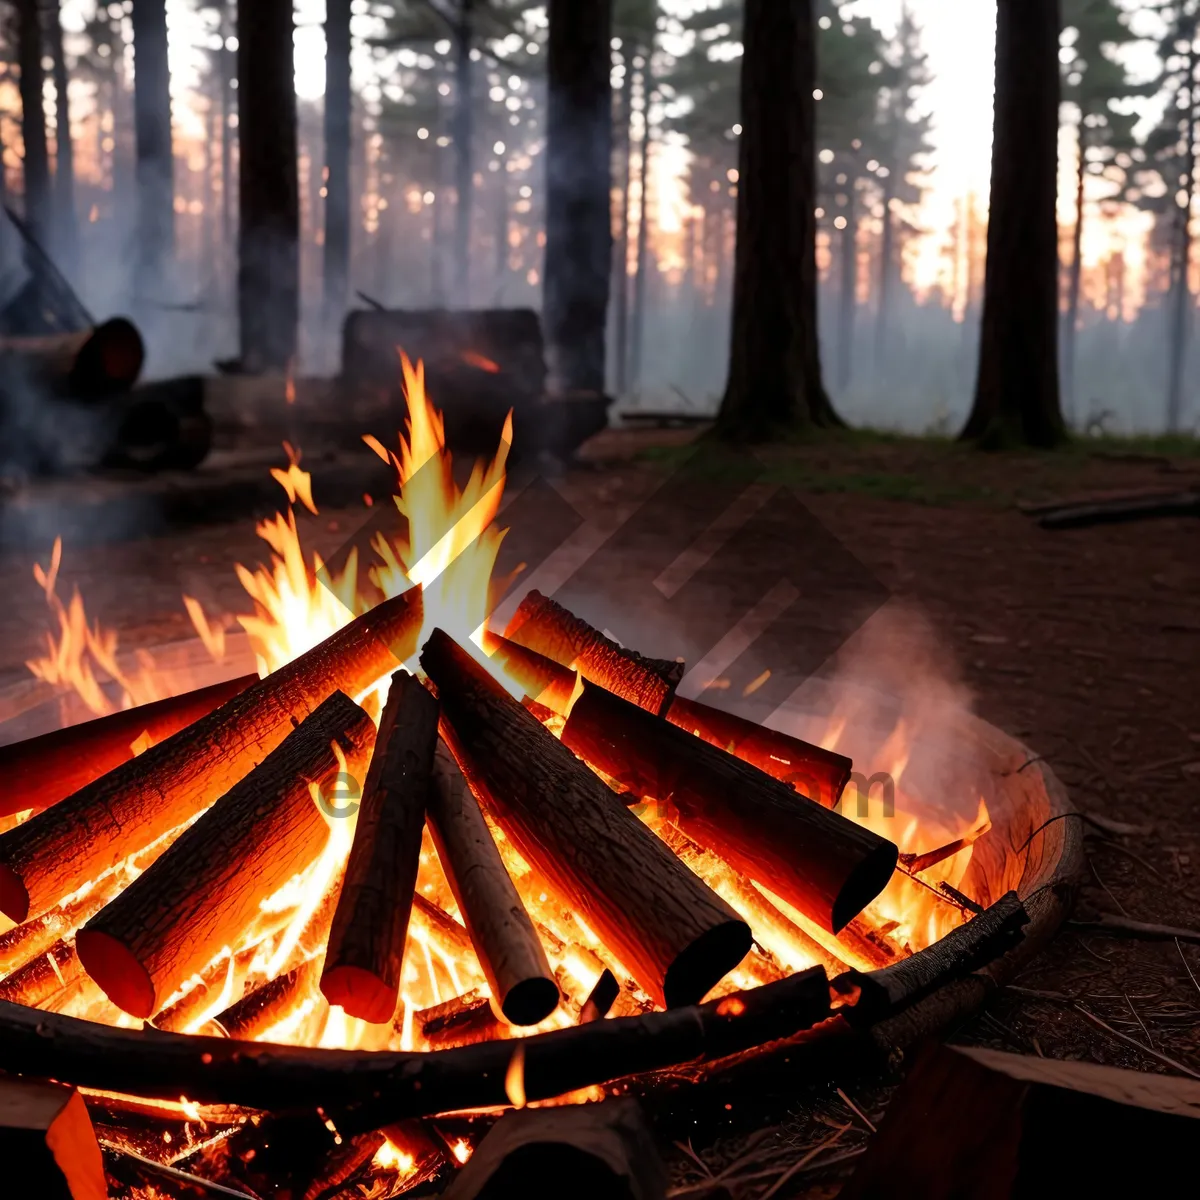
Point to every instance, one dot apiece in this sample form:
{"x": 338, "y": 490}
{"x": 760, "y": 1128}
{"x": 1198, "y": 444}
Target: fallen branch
{"x": 366, "y": 1090}
{"x": 1120, "y": 509}
{"x": 54, "y": 853}
{"x": 1146, "y": 930}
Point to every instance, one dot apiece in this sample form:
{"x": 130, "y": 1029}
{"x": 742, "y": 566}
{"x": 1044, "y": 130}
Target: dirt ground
{"x": 1085, "y": 644}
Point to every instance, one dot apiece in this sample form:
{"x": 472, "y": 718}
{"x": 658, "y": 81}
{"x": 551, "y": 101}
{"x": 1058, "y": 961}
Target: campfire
{"x": 418, "y": 865}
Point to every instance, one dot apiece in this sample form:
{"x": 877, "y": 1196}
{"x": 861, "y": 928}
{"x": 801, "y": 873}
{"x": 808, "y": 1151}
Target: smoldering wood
{"x": 543, "y": 625}
{"x": 460, "y": 1021}
{"x": 673, "y": 933}
{"x": 429, "y": 916}
{"x": 207, "y": 888}
{"x": 823, "y": 864}
{"x": 42, "y": 770}
{"x": 55, "y": 852}
{"x": 506, "y": 943}
{"x": 255, "y": 1013}
{"x": 364, "y": 1090}
{"x": 43, "y": 977}
{"x": 365, "y": 952}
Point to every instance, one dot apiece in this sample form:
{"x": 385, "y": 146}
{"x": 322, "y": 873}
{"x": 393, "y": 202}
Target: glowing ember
{"x": 390, "y": 1157}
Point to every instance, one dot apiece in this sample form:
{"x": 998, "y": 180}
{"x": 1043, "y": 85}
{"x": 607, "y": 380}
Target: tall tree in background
{"x": 38, "y": 201}
{"x": 337, "y": 159}
{"x": 1171, "y": 150}
{"x": 464, "y": 162}
{"x": 578, "y": 181}
{"x": 774, "y": 367}
{"x": 269, "y": 199}
{"x": 1016, "y": 393}
{"x": 903, "y": 139}
{"x": 66, "y": 239}
{"x": 1096, "y": 81}
{"x": 152, "y": 129}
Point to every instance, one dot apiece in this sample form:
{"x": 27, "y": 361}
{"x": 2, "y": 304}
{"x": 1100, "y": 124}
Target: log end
{"x": 117, "y": 971}
{"x": 705, "y": 962}
{"x": 863, "y": 884}
{"x": 14, "y": 896}
{"x": 360, "y": 993}
{"x": 530, "y": 1001}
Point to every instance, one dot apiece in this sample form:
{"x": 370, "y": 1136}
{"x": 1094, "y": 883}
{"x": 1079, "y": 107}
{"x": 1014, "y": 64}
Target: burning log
{"x": 427, "y": 916}
{"x": 461, "y": 1021}
{"x": 675, "y": 935}
{"x": 366, "y": 945}
{"x": 813, "y": 771}
{"x": 207, "y": 888}
{"x": 91, "y": 831}
{"x": 542, "y": 625}
{"x": 506, "y": 943}
{"x": 42, "y": 978}
{"x": 50, "y": 1145}
{"x": 546, "y": 627}
{"x": 368, "y": 1089}
{"x": 820, "y": 862}
{"x": 601, "y": 998}
{"x": 254, "y": 1014}
{"x": 42, "y": 770}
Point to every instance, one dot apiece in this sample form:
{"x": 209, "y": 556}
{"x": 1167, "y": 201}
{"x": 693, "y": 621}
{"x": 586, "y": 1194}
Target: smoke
{"x": 894, "y": 701}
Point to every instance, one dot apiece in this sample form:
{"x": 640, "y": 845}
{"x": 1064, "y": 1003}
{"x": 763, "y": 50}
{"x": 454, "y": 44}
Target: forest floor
{"x": 1085, "y": 644}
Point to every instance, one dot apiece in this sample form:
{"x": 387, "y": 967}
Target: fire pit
{"x": 587, "y": 885}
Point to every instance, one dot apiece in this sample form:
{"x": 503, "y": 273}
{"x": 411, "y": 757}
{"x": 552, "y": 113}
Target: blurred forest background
{"x": 442, "y": 116}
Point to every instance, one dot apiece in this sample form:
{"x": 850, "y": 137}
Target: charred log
{"x": 366, "y": 944}
{"x": 674, "y": 934}
{"x": 91, "y": 831}
{"x": 366, "y": 1089}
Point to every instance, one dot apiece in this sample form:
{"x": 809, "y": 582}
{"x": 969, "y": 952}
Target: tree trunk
{"x": 227, "y": 61}
{"x": 464, "y": 163}
{"x": 774, "y": 366}
{"x": 1073, "y": 282}
{"x": 38, "y": 203}
{"x": 269, "y": 200}
{"x": 640, "y": 278}
{"x": 501, "y": 267}
{"x": 66, "y": 239}
{"x": 621, "y": 274}
{"x": 1182, "y": 309}
{"x": 337, "y": 160}
{"x": 847, "y": 291}
{"x": 152, "y": 130}
{"x": 578, "y": 177}
{"x": 887, "y": 252}
{"x": 1016, "y": 393}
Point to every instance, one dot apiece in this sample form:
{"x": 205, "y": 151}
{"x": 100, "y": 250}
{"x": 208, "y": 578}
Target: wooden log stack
{"x": 674, "y": 935}
{"x": 52, "y": 854}
{"x": 819, "y": 861}
{"x": 207, "y": 888}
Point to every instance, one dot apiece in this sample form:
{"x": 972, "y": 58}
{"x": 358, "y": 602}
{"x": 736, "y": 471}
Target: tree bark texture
{"x": 338, "y": 104}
